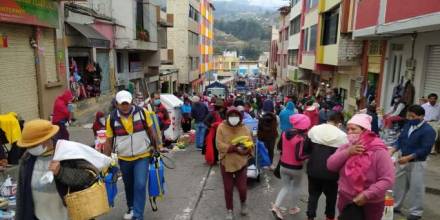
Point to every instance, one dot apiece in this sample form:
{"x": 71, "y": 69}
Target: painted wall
{"x": 423, "y": 40}
{"x": 308, "y": 61}
{"x": 403, "y": 9}
{"x": 311, "y": 18}
{"x": 106, "y": 30}
{"x": 329, "y": 4}
{"x": 367, "y": 13}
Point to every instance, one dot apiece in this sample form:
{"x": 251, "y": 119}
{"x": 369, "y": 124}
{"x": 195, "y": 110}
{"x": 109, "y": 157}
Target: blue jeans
{"x": 135, "y": 175}
{"x": 200, "y": 134}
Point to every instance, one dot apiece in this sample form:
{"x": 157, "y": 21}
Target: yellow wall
{"x": 330, "y": 54}
{"x": 329, "y": 4}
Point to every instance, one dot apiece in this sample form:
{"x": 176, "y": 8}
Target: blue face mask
{"x": 414, "y": 122}
{"x": 157, "y": 102}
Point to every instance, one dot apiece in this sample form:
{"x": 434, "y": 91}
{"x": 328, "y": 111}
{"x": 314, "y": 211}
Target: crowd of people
{"x": 344, "y": 158}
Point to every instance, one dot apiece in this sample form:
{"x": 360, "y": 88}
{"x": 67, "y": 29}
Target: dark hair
{"x": 417, "y": 109}
{"x": 433, "y": 95}
{"x": 336, "y": 117}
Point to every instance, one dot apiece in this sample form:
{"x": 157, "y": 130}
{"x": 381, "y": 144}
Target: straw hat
{"x": 36, "y": 132}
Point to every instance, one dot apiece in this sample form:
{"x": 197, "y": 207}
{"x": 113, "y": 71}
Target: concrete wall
{"x": 177, "y": 37}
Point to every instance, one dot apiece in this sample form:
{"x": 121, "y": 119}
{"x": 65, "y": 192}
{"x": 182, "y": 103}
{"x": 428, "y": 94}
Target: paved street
{"x": 195, "y": 191}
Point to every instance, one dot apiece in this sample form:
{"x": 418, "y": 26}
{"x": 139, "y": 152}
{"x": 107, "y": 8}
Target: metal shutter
{"x": 47, "y": 45}
{"x": 18, "y": 83}
{"x": 432, "y": 78}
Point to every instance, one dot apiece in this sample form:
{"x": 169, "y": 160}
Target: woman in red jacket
{"x": 61, "y": 114}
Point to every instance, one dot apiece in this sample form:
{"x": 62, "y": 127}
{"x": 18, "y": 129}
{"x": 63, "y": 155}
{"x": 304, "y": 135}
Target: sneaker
{"x": 128, "y": 215}
{"x": 230, "y": 215}
{"x": 277, "y": 213}
{"x": 244, "y": 210}
{"x": 414, "y": 217}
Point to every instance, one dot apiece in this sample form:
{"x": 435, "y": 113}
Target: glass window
{"x": 293, "y": 57}
{"x": 306, "y": 39}
{"x": 312, "y": 38}
{"x": 331, "y": 22}
{"x": 295, "y": 25}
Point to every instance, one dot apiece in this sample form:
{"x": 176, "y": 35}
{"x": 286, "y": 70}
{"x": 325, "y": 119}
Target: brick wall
{"x": 350, "y": 51}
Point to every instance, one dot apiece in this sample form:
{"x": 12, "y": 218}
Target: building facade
{"x": 32, "y": 57}
{"x": 206, "y": 44}
{"x": 401, "y": 37}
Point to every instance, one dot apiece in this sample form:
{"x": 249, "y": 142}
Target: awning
{"x": 94, "y": 38}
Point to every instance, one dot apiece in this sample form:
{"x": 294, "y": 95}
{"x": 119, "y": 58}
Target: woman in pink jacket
{"x": 292, "y": 144}
{"x": 365, "y": 168}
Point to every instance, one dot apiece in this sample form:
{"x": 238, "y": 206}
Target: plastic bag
{"x": 263, "y": 155}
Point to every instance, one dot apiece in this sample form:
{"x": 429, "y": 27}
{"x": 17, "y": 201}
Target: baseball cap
{"x": 123, "y": 96}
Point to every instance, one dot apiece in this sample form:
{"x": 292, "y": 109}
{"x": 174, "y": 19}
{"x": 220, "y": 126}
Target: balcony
{"x": 167, "y": 56}
{"x": 164, "y": 19}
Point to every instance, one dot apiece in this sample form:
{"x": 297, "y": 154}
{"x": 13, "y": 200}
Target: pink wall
{"x": 367, "y": 13}
{"x": 402, "y": 9}
{"x": 106, "y": 30}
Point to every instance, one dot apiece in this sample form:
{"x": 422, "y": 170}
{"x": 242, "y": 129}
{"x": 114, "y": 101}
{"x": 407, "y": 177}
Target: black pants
{"x": 186, "y": 125}
{"x": 316, "y": 188}
{"x": 270, "y": 146}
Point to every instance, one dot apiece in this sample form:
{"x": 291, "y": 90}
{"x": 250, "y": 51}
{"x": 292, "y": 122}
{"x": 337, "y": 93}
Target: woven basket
{"x": 88, "y": 203}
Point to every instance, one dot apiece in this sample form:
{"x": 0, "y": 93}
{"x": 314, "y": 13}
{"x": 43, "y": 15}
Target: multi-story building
{"x": 226, "y": 64}
{"x": 283, "y": 43}
{"x": 402, "y": 45}
{"x": 273, "y": 55}
{"x": 32, "y": 57}
{"x": 206, "y": 43}
{"x": 191, "y": 41}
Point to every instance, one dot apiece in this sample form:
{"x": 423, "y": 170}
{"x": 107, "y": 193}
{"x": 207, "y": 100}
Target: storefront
{"x": 32, "y": 65}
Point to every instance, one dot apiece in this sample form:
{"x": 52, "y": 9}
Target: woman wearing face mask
{"x": 233, "y": 159}
{"x": 99, "y": 123}
{"x": 365, "y": 168}
{"x": 37, "y": 199}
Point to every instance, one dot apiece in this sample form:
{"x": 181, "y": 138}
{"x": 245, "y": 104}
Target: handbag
{"x": 277, "y": 172}
{"x": 352, "y": 212}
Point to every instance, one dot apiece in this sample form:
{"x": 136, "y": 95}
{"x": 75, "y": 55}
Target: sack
{"x": 88, "y": 203}
{"x": 352, "y": 212}
{"x": 263, "y": 155}
{"x": 277, "y": 172}
{"x": 156, "y": 180}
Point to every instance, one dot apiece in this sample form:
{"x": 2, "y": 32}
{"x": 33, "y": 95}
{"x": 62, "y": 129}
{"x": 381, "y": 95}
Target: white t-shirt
{"x": 432, "y": 113}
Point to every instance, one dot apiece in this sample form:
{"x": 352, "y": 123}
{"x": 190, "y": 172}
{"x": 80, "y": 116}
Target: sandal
{"x": 294, "y": 211}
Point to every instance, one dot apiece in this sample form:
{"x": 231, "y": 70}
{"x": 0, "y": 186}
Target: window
{"x": 286, "y": 34}
{"x": 120, "y": 64}
{"x": 194, "y": 14}
{"x": 134, "y": 59}
{"x": 306, "y": 40}
{"x": 311, "y": 3}
{"x": 331, "y": 21}
{"x": 293, "y": 57}
{"x": 295, "y": 25}
{"x": 374, "y": 47}
{"x": 312, "y": 38}
{"x": 193, "y": 39}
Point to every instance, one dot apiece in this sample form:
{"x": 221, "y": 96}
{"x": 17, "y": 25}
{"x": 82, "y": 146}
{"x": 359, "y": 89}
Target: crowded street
{"x": 219, "y": 109}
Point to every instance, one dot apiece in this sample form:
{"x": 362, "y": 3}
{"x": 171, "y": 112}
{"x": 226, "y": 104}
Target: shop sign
{"x": 33, "y": 12}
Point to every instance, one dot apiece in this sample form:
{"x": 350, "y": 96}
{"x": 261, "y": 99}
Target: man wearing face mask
{"x": 415, "y": 143}
{"x": 233, "y": 159}
{"x": 37, "y": 199}
{"x": 161, "y": 112}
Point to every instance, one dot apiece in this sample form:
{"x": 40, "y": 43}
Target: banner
{"x": 33, "y": 12}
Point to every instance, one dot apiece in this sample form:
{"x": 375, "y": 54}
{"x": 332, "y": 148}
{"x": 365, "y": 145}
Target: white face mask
{"x": 102, "y": 121}
{"x": 38, "y": 150}
{"x": 234, "y": 121}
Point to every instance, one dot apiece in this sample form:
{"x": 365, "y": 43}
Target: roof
{"x": 87, "y": 31}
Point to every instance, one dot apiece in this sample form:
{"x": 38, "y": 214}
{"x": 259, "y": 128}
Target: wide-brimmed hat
{"x": 36, "y": 132}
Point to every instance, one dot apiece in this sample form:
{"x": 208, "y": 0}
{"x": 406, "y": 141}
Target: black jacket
{"x": 317, "y": 164}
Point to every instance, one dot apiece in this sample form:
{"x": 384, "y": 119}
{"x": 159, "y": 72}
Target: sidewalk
{"x": 432, "y": 175}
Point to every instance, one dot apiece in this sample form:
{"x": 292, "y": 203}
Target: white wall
{"x": 423, "y": 40}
